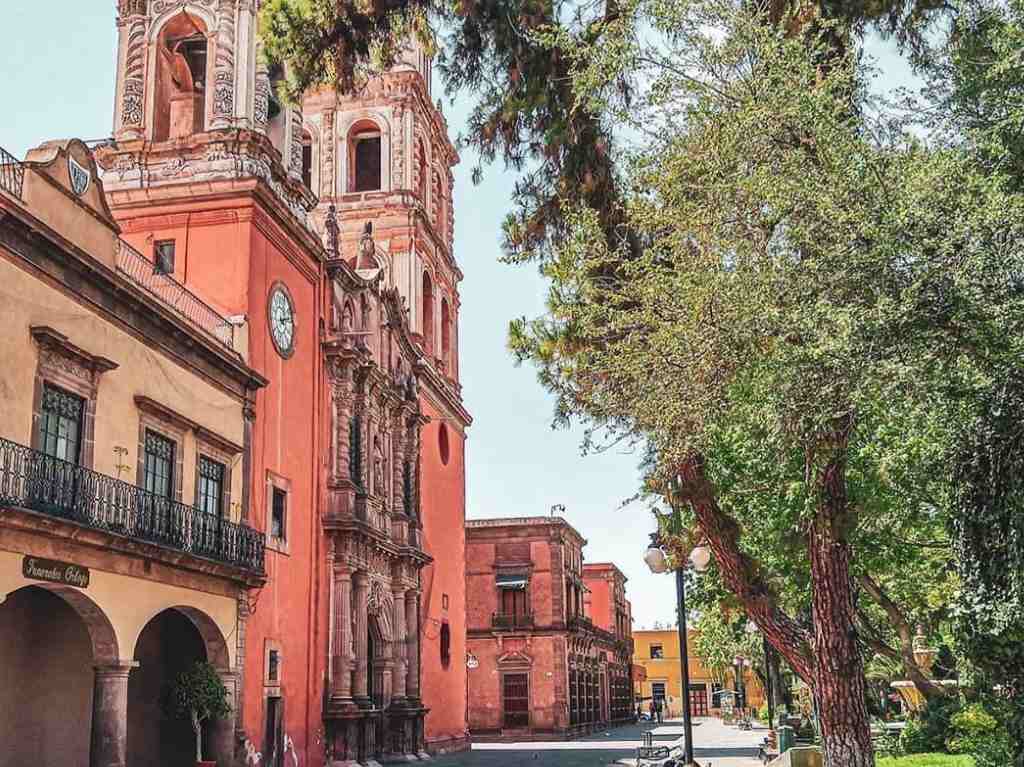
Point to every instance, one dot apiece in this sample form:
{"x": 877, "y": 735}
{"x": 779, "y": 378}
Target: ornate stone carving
{"x": 224, "y": 72}
{"x": 261, "y": 92}
{"x": 295, "y": 143}
{"x": 159, "y": 6}
{"x": 134, "y": 74}
{"x": 327, "y": 144}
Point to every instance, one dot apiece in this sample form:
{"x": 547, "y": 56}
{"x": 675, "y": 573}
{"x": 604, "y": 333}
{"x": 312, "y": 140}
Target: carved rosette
{"x": 224, "y": 66}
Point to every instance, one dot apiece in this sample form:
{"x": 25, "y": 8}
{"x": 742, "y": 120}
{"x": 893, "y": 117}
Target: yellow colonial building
{"x": 124, "y": 443}
{"x": 657, "y": 652}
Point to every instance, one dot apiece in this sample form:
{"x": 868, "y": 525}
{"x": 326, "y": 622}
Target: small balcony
{"x": 512, "y": 621}
{"x": 12, "y": 174}
{"x": 173, "y": 294}
{"x": 32, "y": 480}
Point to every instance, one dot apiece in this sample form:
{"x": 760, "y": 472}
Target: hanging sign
{"x": 51, "y": 570}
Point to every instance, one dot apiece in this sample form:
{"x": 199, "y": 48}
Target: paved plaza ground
{"x": 715, "y": 745}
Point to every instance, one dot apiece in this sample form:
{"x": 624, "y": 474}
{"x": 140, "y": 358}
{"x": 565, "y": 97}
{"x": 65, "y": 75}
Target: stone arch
{"x": 105, "y": 648}
{"x": 428, "y": 298}
{"x": 213, "y": 639}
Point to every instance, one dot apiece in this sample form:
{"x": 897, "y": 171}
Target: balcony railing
{"x": 41, "y": 483}
{"x": 145, "y": 274}
{"x": 12, "y": 174}
{"x": 512, "y": 621}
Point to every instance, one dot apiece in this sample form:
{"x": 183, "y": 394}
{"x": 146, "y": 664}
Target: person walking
{"x": 658, "y": 708}
{"x": 653, "y": 710}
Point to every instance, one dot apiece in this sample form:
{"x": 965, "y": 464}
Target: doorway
{"x": 516, "y": 699}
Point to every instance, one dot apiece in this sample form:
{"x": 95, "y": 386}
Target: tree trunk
{"x": 839, "y": 683}
{"x": 199, "y": 736}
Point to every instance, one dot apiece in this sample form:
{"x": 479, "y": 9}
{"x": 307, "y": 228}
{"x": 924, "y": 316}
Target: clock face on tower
{"x": 281, "y": 318}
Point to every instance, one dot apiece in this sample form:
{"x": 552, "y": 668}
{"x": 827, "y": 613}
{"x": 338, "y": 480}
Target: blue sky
{"x": 59, "y": 83}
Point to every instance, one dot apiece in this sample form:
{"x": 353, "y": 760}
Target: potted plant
{"x": 198, "y": 694}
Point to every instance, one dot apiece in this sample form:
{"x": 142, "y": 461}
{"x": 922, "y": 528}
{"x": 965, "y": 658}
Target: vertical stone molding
{"x": 361, "y": 627}
{"x": 110, "y": 715}
{"x": 129, "y": 121}
{"x": 295, "y": 142}
{"x": 224, "y": 66}
{"x": 412, "y": 623}
{"x": 400, "y": 640}
{"x": 328, "y": 141}
{"x": 261, "y": 93}
{"x": 341, "y": 682}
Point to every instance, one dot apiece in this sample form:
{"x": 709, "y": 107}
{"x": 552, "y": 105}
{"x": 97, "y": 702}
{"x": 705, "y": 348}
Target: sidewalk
{"x": 715, "y": 744}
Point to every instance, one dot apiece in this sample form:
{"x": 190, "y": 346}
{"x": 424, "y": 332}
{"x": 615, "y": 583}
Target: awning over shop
{"x": 514, "y": 582}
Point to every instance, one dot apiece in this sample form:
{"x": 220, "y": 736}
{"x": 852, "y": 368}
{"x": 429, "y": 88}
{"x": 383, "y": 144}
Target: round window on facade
{"x": 442, "y": 443}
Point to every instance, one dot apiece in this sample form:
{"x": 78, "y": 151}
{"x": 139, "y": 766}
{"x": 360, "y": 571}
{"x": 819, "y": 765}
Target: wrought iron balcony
{"x": 32, "y": 480}
{"x": 12, "y": 174}
{"x": 512, "y": 621}
{"x": 173, "y": 294}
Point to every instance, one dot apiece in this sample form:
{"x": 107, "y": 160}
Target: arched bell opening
{"x": 183, "y": 55}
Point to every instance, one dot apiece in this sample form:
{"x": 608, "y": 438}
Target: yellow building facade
{"x": 657, "y": 652}
{"x": 125, "y": 549}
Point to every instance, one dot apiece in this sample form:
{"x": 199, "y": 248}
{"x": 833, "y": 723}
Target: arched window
{"x": 428, "y": 314}
{"x": 181, "y": 65}
{"x": 364, "y": 157}
{"x": 446, "y": 333}
{"x": 307, "y": 159}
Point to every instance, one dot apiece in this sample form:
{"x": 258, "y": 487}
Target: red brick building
{"x": 545, "y": 668}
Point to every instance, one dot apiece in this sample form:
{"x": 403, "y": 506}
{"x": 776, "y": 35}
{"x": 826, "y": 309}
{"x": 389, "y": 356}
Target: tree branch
{"x": 741, "y": 573}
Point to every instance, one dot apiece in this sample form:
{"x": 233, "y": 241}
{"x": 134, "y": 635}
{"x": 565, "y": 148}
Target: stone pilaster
{"x": 341, "y": 681}
{"x": 261, "y": 93}
{"x": 222, "y": 731}
{"x": 224, "y": 66}
{"x": 362, "y": 591}
{"x": 294, "y": 155}
{"x": 400, "y": 643}
{"x": 412, "y": 656}
{"x": 110, "y": 715}
{"x": 129, "y": 108}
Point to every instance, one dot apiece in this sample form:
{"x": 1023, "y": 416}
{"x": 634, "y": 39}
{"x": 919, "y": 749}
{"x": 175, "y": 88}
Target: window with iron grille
{"x": 279, "y": 506}
{"x": 273, "y": 663}
{"x": 60, "y": 424}
{"x": 163, "y": 257}
{"x": 211, "y": 486}
{"x": 159, "y": 464}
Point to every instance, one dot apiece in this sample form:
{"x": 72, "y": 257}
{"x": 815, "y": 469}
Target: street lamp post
{"x": 656, "y": 561}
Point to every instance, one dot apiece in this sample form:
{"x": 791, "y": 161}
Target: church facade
{"x": 315, "y": 244}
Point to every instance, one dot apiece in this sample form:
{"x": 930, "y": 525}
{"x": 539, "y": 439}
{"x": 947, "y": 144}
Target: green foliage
{"x": 197, "y": 694}
{"x": 927, "y": 760}
{"x": 979, "y": 733}
{"x": 927, "y": 731}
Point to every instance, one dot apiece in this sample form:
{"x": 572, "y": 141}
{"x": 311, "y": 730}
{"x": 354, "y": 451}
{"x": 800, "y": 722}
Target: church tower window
{"x": 181, "y": 77}
{"x": 428, "y": 314}
{"x": 446, "y": 333}
{"x": 307, "y": 159}
{"x": 365, "y": 159}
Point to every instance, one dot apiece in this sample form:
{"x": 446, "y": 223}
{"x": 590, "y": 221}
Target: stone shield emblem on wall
{"x": 80, "y": 177}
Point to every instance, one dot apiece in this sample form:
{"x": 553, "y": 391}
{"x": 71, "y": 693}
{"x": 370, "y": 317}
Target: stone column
{"x": 294, "y": 136}
{"x": 341, "y": 682}
{"x": 362, "y": 591}
{"x": 412, "y": 655}
{"x": 222, "y": 731}
{"x": 400, "y": 645}
{"x": 110, "y": 715}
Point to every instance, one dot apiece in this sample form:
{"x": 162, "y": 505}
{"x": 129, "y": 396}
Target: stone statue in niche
{"x": 366, "y": 249}
{"x": 380, "y": 466}
{"x": 347, "y": 320}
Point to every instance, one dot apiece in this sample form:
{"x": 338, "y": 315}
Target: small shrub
{"x": 927, "y": 732}
{"x": 979, "y": 733}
